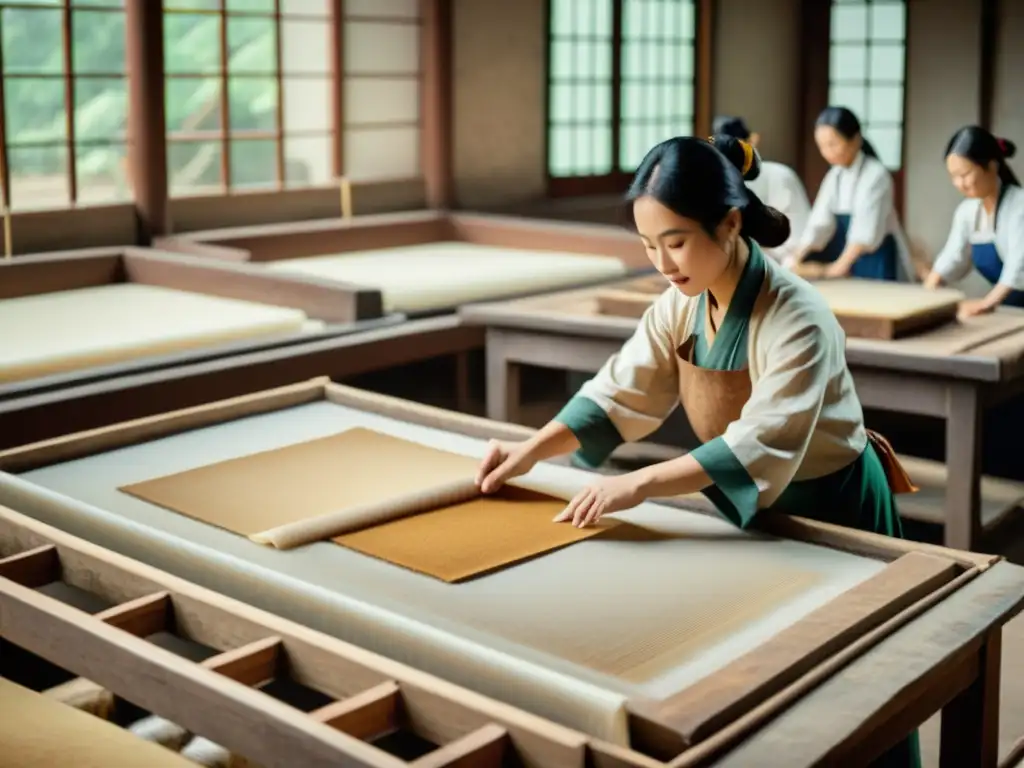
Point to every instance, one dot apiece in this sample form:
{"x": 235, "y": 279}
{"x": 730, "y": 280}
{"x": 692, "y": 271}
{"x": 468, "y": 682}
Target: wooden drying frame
{"x": 275, "y": 242}
{"x": 852, "y": 631}
{"x": 69, "y": 270}
{"x": 96, "y": 400}
{"x": 631, "y": 300}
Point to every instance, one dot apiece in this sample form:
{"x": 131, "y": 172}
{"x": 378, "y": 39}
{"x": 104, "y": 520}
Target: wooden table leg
{"x": 503, "y": 393}
{"x": 970, "y": 722}
{"x": 462, "y": 394}
{"x": 963, "y": 462}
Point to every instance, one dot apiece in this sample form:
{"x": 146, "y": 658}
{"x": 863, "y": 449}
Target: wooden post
{"x": 147, "y": 149}
{"x": 436, "y": 110}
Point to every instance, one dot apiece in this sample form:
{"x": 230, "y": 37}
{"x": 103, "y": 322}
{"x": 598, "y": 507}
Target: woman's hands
{"x": 602, "y": 497}
{"x": 933, "y": 281}
{"x": 502, "y": 462}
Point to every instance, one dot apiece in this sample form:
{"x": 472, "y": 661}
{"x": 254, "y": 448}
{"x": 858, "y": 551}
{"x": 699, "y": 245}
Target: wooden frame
{"x": 563, "y": 331}
{"x": 274, "y": 242}
{"x": 816, "y": 18}
{"x": 921, "y": 636}
{"x": 343, "y": 310}
{"x": 617, "y": 180}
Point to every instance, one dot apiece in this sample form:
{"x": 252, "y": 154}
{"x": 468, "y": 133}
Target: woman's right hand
{"x": 501, "y": 463}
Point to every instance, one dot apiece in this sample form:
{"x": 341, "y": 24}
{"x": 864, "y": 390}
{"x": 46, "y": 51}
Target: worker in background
{"x": 988, "y": 226}
{"x": 853, "y": 229}
{"x": 777, "y": 185}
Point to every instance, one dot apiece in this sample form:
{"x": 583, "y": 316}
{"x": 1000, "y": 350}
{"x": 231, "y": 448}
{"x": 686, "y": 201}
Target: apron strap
{"x": 899, "y": 480}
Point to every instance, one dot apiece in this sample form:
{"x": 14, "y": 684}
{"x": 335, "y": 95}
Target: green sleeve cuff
{"x": 597, "y": 435}
{"x": 734, "y": 492}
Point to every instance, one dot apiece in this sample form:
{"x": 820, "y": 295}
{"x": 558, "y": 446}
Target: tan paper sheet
{"x": 472, "y": 538}
{"x": 376, "y": 490}
{"x": 38, "y": 731}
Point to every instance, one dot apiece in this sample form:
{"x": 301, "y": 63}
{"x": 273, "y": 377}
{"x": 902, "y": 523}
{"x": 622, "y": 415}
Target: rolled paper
{"x": 84, "y": 695}
{"x": 332, "y": 524}
{"x": 160, "y": 731}
{"x": 204, "y": 752}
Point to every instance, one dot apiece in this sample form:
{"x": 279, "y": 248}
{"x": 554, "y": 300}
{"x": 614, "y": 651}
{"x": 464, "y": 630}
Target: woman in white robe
{"x": 988, "y": 226}
{"x": 777, "y": 185}
{"x": 853, "y": 228}
{"x": 752, "y": 352}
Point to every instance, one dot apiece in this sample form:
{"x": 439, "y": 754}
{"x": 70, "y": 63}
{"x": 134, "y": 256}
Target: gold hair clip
{"x": 748, "y": 156}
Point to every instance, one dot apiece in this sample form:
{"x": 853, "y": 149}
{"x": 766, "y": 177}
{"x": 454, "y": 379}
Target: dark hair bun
{"x": 1008, "y": 147}
{"x": 740, "y": 153}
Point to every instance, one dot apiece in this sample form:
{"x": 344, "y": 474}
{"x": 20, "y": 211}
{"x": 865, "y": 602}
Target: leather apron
{"x": 713, "y": 399}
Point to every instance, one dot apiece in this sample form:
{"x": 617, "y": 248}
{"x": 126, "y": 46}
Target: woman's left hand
{"x": 973, "y": 307}
{"x": 604, "y": 496}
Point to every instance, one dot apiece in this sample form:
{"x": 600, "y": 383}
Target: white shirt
{"x": 778, "y": 186}
{"x": 973, "y": 224}
{"x": 865, "y": 192}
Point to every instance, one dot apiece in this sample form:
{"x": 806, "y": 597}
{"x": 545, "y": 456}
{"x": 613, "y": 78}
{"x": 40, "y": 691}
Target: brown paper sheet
{"x": 257, "y": 493}
{"x": 466, "y": 540}
{"x": 36, "y": 730}
{"x": 315, "y": 490}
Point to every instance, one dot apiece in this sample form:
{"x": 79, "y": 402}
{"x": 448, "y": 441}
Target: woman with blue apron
{"x": 853, "y": 229}
{"x": 988, "y": 226}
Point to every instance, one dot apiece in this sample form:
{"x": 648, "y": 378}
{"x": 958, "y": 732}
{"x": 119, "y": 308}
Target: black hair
{"x": 703, "y": 180}
{"x": 974, "y": 143}
{"x": 846, "y": 124}
{"x": 730, "y": 125}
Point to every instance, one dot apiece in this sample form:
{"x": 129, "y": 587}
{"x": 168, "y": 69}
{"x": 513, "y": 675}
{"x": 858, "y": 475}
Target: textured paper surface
{"x": 360, "y": 479}
{"x": 474, "y": 537}
{"x": 876, "y": 298}
{"x": 55, "y": 332}
{"x": 37, "y": 731}
{"x": 417, "y": 278}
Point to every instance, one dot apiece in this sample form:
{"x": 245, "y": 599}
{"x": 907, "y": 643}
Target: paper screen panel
{"x": 473, "y": 538}
{"x": 37, "y": 731}
{"x": 107, "y": 324}
{"x": 432, "y": 275}
{"x": 655, "y": 629}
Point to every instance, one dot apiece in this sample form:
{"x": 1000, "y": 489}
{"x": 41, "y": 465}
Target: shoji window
{"x": 63, "y": 103}
{"x": 382, "y": 89}
{"x": 867, "y": 70}
{"x": 620, "y": 79}
{"x": 248, "y": 94}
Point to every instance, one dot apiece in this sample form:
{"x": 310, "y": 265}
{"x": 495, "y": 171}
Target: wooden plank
{"x": 365, "y": 715}
{"x": 35, "y": 568}
{"x": 142, "y": 617}
{"x": 828, "y": 724}
{"x": 252, "y": 664}
{"x": 483, "y": 748}
{"x": 219, "y": 708}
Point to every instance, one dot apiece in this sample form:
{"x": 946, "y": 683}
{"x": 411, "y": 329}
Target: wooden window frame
{"x": 69, "y": 77}
{"x": 816, "y": 81}
{"x": 225, "y": 134}
{"x": 617, "y": 180}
